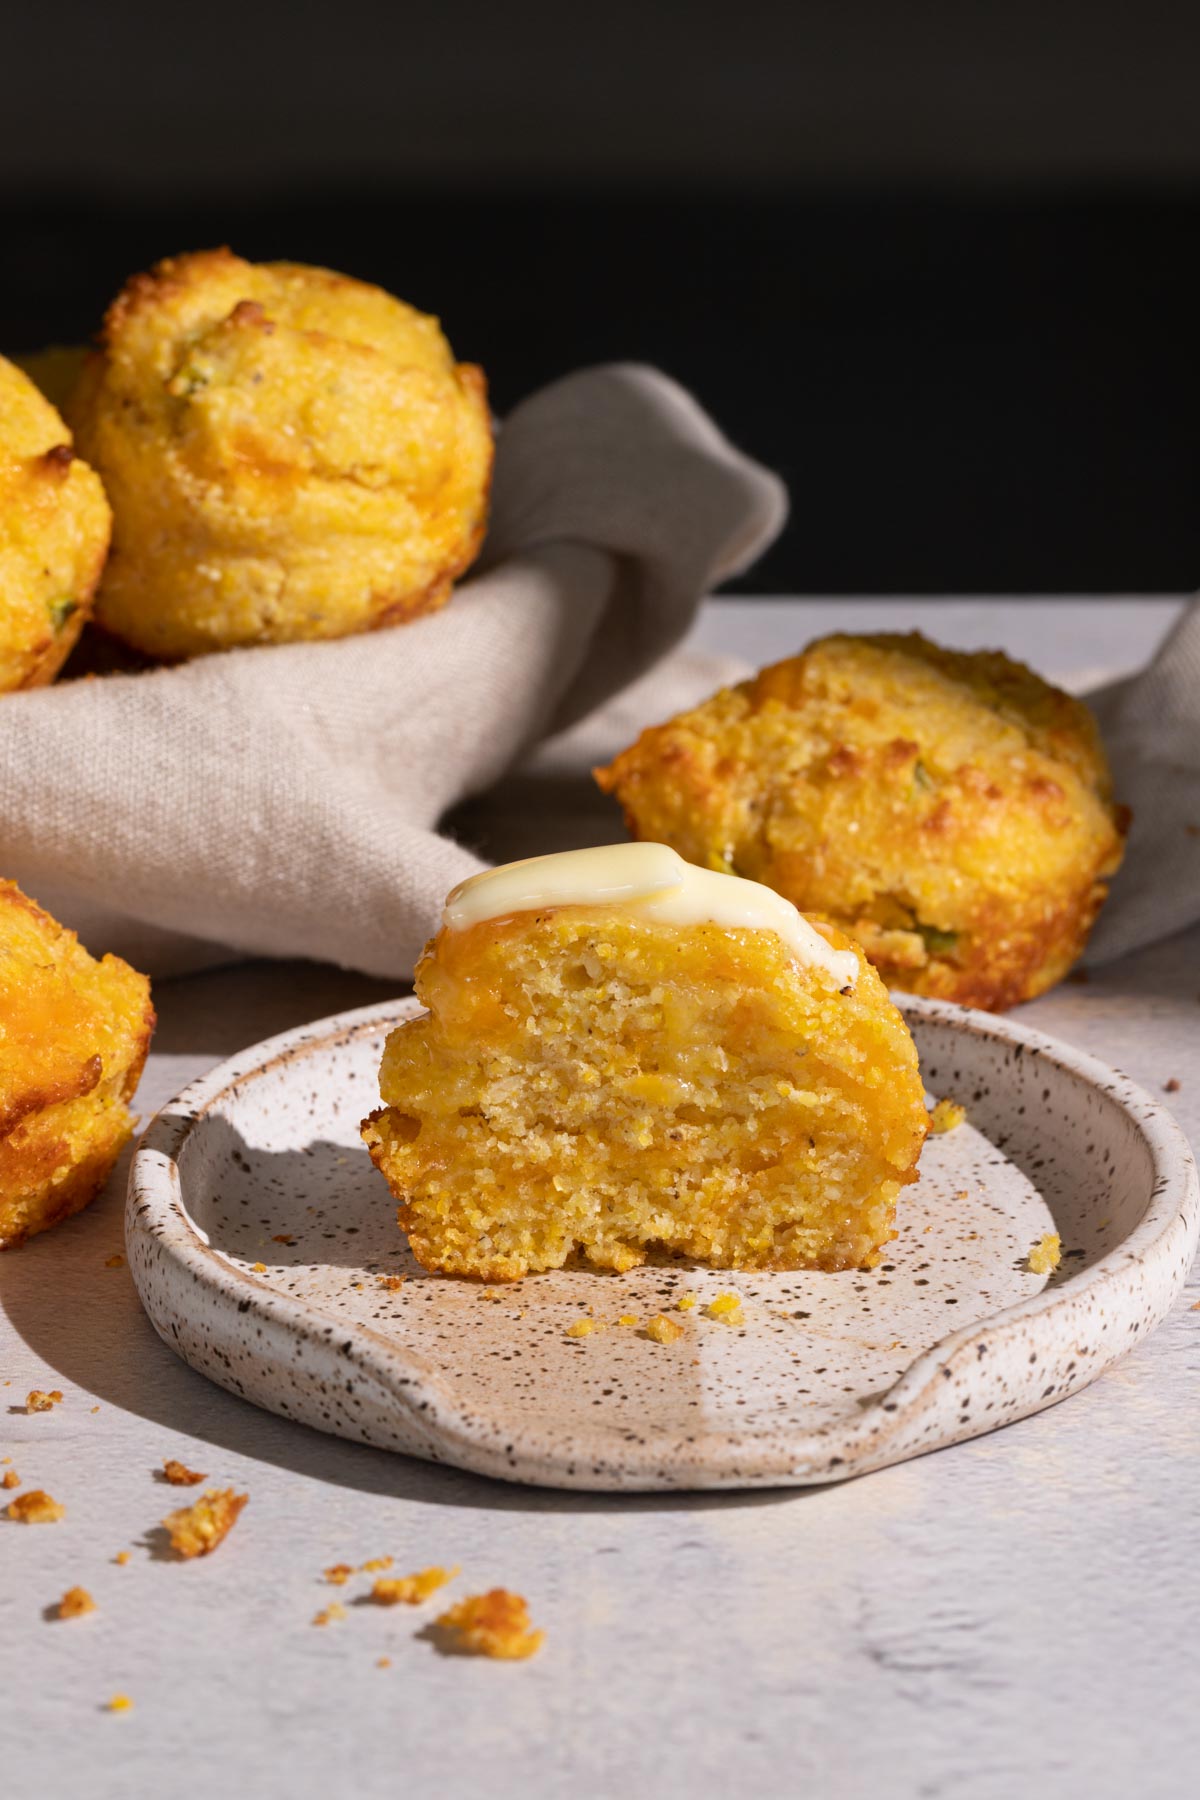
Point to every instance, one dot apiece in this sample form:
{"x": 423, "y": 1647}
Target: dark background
{"x": 936, "y": 263}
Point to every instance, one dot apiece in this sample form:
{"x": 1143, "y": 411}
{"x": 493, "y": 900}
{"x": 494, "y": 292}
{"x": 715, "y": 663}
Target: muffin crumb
{"x": 1046, "y": 1254}
{"x": 663, "y": 1330}
{"x": 329, "y": 1614}
{"x": 75, "y": 1602}
{"x": 179, "y": 1475}
{"x": 946, "y": 1115}
{"x": 11, "y": 1479}
{"x": 197, "y": 1529}
{"x": 411, "y": 1590}
{"x": 338, "y": 1574}
{"x": 37, "y": 1401}
{"x": 492, "y": 1624}
{"x": 727, "y": 1308}
{"x": 35, "y": 1508}
{"x": 686, "y": 1302}
{"x": 116, "y": 1261}
{"x": 582, "y": 1328}
{"x": 119, "y": 1703}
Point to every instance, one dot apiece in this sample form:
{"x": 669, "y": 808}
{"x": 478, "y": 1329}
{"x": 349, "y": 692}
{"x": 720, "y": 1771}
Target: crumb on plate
{"x": 946, "y": 1115}
{"x": 663, "y": 1330}
{"x": 726, "y": 1307}
{"x": 628, "y": 1319}
{"x": 383, "y": 1662}
{"x": 11, "y": 1479}
{"x": 376, "y": 1562}
{"x": 37, "y": 1401}
{"x": 75, "y": 1602}
{"x": 582, "y": 1328}
{"x": 492, "y": 1624}
{"x": 686, "y": 1302}
{"x": 1172, "y": 1086}
{"x": 328, "y": 1614}
{"x": 258, "y": 1268}
{"x": 411, "y": 1590}
{"x": 121, "y": 1558}
{"x": 119, "y": 1703}
{"x": 338, "y": 1574}
{"x": 1046, "y": 1254}
{"x": 35, "y": 1508}
{"x": 393, "y": 1283}
{"x": 179, "y": 1475}
{"x": 195, "y": 1530}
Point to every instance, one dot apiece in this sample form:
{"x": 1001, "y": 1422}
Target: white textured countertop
{"x": 1015, "y": 1616}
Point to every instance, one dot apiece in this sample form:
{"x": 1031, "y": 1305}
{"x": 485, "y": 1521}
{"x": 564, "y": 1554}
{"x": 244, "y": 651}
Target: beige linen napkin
{"x": 1151, "y": 727}
{"x": 285, "y": 801}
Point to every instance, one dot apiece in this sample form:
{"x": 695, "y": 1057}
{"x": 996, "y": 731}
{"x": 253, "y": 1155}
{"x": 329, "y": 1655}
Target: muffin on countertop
{"x": 950, "y": 810}
{"x": 74, "y": 1034}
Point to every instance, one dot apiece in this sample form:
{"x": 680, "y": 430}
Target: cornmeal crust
{"x": 74, "y": 1034}
{"x": 589, "y": 1084}
{"x": 54, "y": 531}
{"x": 951, "y": 811}
{"x": 290, "y": 454}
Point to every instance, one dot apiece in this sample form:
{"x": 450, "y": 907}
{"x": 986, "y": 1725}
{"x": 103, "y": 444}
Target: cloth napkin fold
{"x": 285, "y": 801}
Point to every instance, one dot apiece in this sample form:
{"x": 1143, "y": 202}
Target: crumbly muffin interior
{"x": 590, "y": 1085}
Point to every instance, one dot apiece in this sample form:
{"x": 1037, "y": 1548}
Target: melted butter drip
{"x": 650, "y": 881}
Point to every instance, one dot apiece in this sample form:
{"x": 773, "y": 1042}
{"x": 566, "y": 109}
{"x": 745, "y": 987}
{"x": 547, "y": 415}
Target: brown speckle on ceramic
{"x": 826, "y": 1376}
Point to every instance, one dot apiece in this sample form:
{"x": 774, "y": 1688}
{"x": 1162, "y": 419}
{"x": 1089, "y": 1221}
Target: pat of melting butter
{"x": 653, "y": 882}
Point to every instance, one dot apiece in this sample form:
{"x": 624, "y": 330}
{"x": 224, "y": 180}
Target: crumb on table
{"x": 393, "y": 1283}
{"x": 946, "y": 1115}
{"x": 338, "y": 1574}
{"x": 116, "y": 1261}
{"x": 1172, "y": 1086}
{"x": 281, "y": 1237}
{"x": 120, "y": 1703}
{"x": 327, "y": 1615}
{"x": 1046, "y": 1254}
{"x": 411, "y": 1590}
{"x": 492, "y": 1624}
{"x": 121, "y": 1558}
{"x": 10, "y": 1479}
{"x": 725, "y": 1307}
{"x": 35, "y": 1508}
{"x": 179, "y": 1475}
{"x": 195, "y": 1530}
{"x": 259, "y": 1268}
{"x": 75, "y": 1602}
{"x": 37, "y": 1401}
{"x": 383, "y": 1662}
{"x": 376, "y": 1562}
{"x": 663, "y": 1330}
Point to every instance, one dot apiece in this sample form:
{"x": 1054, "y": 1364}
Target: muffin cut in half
{"x": 74, "y": 1034}
{"x": 950, "y": 810}
{"x": 626, "y": 1057}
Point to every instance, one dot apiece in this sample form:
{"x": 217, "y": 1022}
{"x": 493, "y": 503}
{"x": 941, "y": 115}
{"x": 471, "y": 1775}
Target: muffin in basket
{"x": 290, "y": 454}
{"x": 626, "y": 1057}
{"x": 73, "y": 1038}
{"x": 54, "y": 531}
{"x": 951, "y": 811}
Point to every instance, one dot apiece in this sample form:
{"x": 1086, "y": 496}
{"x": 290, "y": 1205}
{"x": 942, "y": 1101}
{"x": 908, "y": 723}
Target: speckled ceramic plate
{"x": 263, "y": 1244}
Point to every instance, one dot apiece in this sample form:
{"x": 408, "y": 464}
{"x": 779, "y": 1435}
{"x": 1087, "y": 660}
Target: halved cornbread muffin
{"x": 74, "y": 1034}
{"x": 627, "y": 1057}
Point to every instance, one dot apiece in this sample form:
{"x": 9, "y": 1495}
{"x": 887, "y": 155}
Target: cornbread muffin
{"x": 73, "y": 1037}
{"x": 951, "y": 811}
{"x": 289, "y": 453}
{"x": 596, "y": 1081}
{"x": 54, "y": 531}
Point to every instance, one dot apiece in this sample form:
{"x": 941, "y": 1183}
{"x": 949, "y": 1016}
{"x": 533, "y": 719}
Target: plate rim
{"x": 881, "y": 1434}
